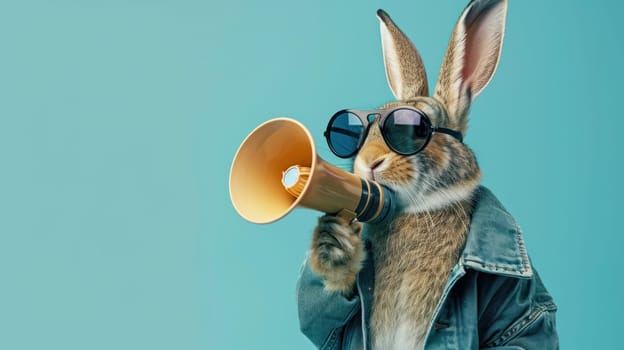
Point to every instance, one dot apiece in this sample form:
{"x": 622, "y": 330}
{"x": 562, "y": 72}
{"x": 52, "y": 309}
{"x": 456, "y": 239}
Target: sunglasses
{"x": 405, "y": 130}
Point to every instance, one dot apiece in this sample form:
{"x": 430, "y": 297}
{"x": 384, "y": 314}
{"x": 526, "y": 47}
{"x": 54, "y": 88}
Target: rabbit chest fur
{"x": 413, "y": 256}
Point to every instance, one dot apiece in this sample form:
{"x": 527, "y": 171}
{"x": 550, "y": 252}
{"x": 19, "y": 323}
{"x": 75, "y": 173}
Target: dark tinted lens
{"x": 406, "y": 131}
{"x": 344, "y": 133}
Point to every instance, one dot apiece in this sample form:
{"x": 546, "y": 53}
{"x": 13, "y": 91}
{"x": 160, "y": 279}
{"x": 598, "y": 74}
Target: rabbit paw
{"x": 337, "y": 252}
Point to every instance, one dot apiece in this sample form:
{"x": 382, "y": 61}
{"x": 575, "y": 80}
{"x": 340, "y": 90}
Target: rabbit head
{"x": 446, "y": 170}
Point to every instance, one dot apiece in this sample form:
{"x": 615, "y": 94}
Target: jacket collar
{"x": 494, "y": 243}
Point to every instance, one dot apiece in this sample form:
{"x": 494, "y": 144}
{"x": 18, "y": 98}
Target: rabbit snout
{"x": 373, "y": 158}
{"x": 372, "y": 170}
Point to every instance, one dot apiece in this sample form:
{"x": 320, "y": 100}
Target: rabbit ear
{"x": 471, "y": 58}
{"x": 404, "y": 67}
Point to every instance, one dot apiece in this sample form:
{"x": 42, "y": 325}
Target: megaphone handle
{"x": 346, "y": 214}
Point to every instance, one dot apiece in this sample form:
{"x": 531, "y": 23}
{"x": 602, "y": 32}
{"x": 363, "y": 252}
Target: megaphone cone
{"x": 276, "y": 169}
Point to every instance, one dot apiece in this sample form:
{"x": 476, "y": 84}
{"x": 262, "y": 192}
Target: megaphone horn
{"x": 276, "y": 169}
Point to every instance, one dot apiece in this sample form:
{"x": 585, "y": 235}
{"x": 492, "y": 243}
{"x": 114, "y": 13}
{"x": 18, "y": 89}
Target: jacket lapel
{"x": 494, "y": 243}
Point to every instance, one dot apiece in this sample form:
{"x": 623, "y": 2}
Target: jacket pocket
{"x": 517, "y": 328}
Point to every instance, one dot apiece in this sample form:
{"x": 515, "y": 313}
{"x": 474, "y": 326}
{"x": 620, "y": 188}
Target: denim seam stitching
{"x": 331, "y": 338}
{"x": 522, "y": 324}
{"x": 523, "y": 269}
{"x": 330, "y": 341}
{"x": 496, "y": 267}
{"x": 526, "y": 265}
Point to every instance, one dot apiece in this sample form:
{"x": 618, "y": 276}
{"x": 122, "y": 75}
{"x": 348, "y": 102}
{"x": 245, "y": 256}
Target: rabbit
{"x": 414, "y": 252}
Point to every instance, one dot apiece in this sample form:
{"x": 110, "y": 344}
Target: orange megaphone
{"x": 276, "y": 169}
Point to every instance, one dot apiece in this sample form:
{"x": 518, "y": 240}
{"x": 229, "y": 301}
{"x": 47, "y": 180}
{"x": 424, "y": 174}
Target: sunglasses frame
{"x": 382, "y": 115}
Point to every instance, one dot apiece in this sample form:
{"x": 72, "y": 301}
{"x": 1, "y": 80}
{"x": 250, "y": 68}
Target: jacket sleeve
{"x": 516, "y": 314}
{"x": 322, "y": 314}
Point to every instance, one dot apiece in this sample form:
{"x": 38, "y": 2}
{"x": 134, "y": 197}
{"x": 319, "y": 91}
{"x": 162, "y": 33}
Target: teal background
{"x": 119, "y": 120}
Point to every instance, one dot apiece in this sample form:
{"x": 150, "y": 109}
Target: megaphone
{"x": 276, "y": 169}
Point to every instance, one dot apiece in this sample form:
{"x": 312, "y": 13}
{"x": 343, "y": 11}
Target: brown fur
{"x": 415, "y": 252}
{"x": 422, "y": 250}
{"x": 337, "y": 252}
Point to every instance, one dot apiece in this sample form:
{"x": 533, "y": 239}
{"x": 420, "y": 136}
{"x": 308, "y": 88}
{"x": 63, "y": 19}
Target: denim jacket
{"x": 493, "y": 299}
